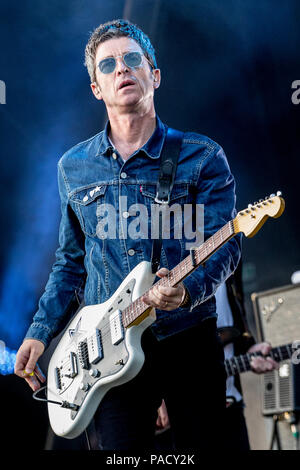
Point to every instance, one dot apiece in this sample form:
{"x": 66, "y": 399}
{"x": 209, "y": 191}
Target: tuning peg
{"x": 279, "y": 193}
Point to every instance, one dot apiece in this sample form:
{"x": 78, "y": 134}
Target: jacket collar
{"x": 152, "y": 147}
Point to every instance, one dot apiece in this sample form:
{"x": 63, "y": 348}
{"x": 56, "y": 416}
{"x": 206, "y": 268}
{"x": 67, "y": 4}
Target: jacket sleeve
{"x": 216, "y": 191}
{"x": 68, "y": 274}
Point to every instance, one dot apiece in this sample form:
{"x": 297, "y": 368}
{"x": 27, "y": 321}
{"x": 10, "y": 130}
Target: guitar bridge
{"x": 83, "y": 354}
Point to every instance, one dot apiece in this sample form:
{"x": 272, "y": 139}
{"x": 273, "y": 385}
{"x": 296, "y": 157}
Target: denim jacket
{"x": 92, "y": 174}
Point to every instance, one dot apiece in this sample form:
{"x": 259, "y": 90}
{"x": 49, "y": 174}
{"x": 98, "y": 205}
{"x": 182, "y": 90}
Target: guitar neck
{"x": 197, "y": 257}
{"x": 237, "y": 364}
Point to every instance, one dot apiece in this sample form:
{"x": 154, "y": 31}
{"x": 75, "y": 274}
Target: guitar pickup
{"x": 57, "y": 378}
{"x": 73, "y": 369}
{"x": 116, "y": 327}
{"x": 95, "y": 349}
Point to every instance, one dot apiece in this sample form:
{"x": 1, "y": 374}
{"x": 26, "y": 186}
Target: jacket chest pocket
{"x": 87, "y": 204}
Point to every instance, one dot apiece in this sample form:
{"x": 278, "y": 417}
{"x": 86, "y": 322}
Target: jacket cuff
{"x": 195, "y": 292}
{"x": 39, "y": 332}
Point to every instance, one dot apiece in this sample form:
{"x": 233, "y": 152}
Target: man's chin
{"x": 130, "y": 101}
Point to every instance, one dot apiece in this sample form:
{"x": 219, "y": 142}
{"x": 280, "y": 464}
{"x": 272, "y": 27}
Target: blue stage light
{"x": 7, "y": 359}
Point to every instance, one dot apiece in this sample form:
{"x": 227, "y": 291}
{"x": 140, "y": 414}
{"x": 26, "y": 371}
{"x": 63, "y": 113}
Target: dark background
{"x": 227, "y": 71}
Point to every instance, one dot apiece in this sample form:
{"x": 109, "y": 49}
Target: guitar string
{"x": 186, "y": 263}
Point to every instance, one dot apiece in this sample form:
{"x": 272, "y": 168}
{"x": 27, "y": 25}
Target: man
{"x": 232, "y": 314}
{"x": 123, "y": 160}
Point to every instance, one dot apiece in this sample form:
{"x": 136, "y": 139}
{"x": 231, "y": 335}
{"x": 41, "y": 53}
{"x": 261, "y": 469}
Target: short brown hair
{"x": 115, "y": 29}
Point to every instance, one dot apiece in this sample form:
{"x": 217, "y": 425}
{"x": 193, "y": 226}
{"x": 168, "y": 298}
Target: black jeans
{"x": 187, "y": 370}
{"x": 236, "y": 428}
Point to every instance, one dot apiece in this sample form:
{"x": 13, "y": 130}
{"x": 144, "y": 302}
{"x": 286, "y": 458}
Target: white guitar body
{"x": 95, "y": 354}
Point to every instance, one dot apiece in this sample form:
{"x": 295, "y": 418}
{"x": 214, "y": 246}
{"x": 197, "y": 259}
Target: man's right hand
{"x": 26, "y": 363}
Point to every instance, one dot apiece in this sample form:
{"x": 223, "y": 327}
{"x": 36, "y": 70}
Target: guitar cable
{"x": 63, "y": 404}
{"x": 35, "y": 397}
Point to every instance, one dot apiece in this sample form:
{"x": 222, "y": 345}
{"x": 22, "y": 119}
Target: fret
{"x": 280, "y": 355}
{"x": 274, "y": 354}
{"x": 227, "y": 368}
{"x": 289, "y": 350}
{"x": 186, "y": 266}
{"x": 232, "y": 366}
{"x": 248, "y": 358}
{"x": 210, "y": 243}
{"x": 243, "y": 362}
{"x": 237, "y": 363}
{"x": 133, "y": 309}
{"x": 240, "y": 361}
{"x": 221, "y": 235}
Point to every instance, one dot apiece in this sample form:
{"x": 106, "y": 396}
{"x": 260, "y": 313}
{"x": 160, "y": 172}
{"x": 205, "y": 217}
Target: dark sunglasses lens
{"x": 133, "y": 59}
{"x": 107, "y": 65}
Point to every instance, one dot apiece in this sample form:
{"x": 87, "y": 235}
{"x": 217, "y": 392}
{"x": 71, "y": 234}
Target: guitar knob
{"x": 279, "y": 193}
{"x": 94, "y": 373}
{"x": 84, "y": 386}
{"x": 272, "y": 195}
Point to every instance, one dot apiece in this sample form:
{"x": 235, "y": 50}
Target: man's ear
{"x": 96, "y": 90}
{"x": 156, "y": 78}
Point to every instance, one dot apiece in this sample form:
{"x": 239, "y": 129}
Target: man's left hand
{"x": 264, "y": 363}
{"x": 165, "y": 298}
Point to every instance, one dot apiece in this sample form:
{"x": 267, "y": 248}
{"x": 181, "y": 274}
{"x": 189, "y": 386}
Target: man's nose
{"x": 121, "y": 67}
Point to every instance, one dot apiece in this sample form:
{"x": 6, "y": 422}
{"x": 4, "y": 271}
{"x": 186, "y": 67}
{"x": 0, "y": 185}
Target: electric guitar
{"x": 101, "y": 347}
{"x": 237, "y": 364}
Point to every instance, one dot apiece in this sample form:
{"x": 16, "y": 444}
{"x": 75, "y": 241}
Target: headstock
{"x": 250, "y": 220}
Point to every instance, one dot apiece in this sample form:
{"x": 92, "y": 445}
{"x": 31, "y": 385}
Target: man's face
{"x": 141, "y": 81}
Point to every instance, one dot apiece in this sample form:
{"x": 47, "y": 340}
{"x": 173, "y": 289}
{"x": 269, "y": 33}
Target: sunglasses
{"x": 130, "y": 59}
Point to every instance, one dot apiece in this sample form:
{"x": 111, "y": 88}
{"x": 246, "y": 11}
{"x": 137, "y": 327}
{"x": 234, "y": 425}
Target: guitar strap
{"x": 168, "y": 165}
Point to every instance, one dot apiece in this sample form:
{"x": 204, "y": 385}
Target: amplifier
{"x": 277, "y": 318}
{"x": 281, "y": 389}
{"x": 277, "y": 314}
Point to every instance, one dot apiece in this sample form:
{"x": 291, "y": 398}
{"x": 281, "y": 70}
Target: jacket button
{"x": 123, "y": 175}
{"x": 125, "y": 215}
{"x": 131, "y": 252}
{"x": 114, "y": 155}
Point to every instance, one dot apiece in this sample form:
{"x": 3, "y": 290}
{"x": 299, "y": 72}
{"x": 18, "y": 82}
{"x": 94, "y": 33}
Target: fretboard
{"x": 238, "y": 364}
{"x": 197, "y": 257}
